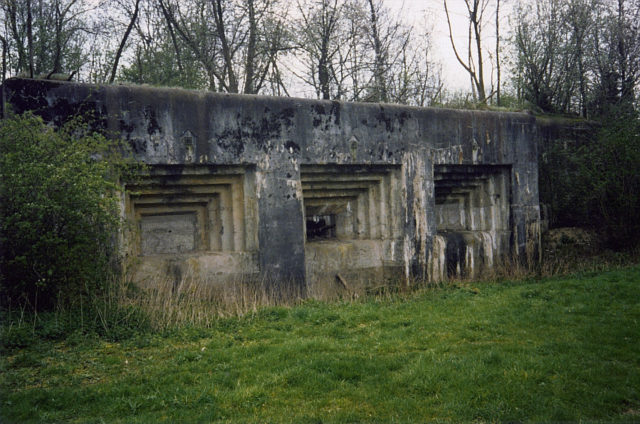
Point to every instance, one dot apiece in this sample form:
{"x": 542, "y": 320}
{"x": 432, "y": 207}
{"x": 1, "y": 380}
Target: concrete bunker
{"x": 309, "y": 190}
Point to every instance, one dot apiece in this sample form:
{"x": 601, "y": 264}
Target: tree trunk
{"x": 123, "y": 42}
{"x": 498, "y": 52}
{"x": 30, "y": 37}
{"x": 475, "y": 19}
{"x": 251, "y": 50}
{"x": 323, "y": 73}
{"x": 11, "y": 11}
{"x": 476, "y": 73}
{"x": 57, "y": 57}
{"x": 381, "y": 94}
{"x": 4, "y": 58}
{"x": 232, "y": 86}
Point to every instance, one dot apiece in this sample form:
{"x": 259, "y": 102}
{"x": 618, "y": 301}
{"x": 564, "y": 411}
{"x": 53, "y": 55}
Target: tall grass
{"x": 555, "y": 263}
{"x": 197, "y": 302}
{"x": 193, "y": 301}
{"x": 124, "y": 308}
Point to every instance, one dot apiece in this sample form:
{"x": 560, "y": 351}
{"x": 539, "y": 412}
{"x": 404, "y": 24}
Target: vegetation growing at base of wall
{"x": 59, "y": 213}
{"x": 610, "y": 183}
{"x": 595, "y": 183}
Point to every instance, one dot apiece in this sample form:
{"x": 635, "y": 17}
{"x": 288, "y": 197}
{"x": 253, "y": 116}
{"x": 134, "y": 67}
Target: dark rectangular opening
{"x": 321, "y": 227}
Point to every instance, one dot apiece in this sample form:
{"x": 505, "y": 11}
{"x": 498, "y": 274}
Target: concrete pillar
{"x": 280, "y": 220}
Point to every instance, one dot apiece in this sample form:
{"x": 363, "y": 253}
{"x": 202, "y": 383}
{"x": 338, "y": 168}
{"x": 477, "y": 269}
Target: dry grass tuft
{"x": 190, "y": 300}
{"x": 193, "y": 301}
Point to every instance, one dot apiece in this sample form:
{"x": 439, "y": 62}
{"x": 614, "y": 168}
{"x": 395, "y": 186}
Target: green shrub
{"x": 16, "y": 336}
{"x": 608, "y": 183}
{"x": 558, "y": 169}
{"x": 59, "y": 212}
{"x": 595, "y": 183}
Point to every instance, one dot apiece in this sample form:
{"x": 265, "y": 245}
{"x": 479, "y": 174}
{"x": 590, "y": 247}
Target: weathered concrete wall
{"x": 238, "y": 179}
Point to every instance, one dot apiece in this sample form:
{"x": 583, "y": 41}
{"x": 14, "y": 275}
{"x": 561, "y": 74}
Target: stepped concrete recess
{"x": 322, "y": 193}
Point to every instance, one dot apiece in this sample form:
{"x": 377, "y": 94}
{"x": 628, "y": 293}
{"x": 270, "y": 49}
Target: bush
{"x": 595, "y": 183}
{"x": 608, "y": 182}
{"x": 558, "y": 169}
{"x": 59, "y": 212}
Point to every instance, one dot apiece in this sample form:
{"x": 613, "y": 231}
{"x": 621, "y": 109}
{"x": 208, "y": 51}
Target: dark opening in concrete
{"x": 321, "y": 227}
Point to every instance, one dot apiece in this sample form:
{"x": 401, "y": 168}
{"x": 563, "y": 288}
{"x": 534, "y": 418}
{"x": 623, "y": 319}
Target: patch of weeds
{"x": 16, "y": 337}
{"x": 536, "y": 294}
{"x": 493, "y": 359}
{"x": 26, "y": 359}
{"x": 56, "y": 371}
{"x": 52, "y": 328}
{"x": 142, "y": 341}
{"x": 79, "y": 338}
{"x": 75, "y": 326}
{"x": 273, "y": 313}
{"x": 324, "y": 317}
{"x": 337, "y": 331}
{"x": 390, "y": 289}
{"x": 119, "y": 323}
{"x": 301, "y": 314}
{"x": 188, "y": 333}
{"x": 4, "y": 363}
{"x": 187, "y": 356}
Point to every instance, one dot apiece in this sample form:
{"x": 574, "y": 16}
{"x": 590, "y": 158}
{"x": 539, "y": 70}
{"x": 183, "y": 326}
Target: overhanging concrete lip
{"x": 190, "y": 95}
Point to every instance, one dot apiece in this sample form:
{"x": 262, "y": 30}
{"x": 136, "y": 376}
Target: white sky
{"x": 432, "y": 11}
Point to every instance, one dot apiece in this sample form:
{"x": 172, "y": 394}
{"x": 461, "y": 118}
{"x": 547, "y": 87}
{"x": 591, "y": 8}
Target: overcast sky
{"x": 417, "y": 11}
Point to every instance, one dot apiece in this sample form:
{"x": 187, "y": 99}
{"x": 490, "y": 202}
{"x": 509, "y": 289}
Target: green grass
{"x": 563, "y": 349}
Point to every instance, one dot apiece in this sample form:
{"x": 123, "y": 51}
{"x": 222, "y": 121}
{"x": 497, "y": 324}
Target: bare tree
{"x": 578, "y": 56}
{"x": 5, "y": 48}
{"x": 29, "y": 24}
{"x": 380, "y": 52}
{"x": 15, "y": 18}
{"x": 615, "y": 56}
{"x": 357, "y": 50}
{"x": 497, "y": 53}
{"x": 155, "y": 54}
{"x": 474, "y": 63}
{"x": 236, "y": 42}
{"x": 537, "y": 37}
{"x": 319, "y": 42}
{"x": 45, "y": 37}
{"x": 414, "y": 78}
{"x": 123, "y": 42}
{"x": 344, "y": 49}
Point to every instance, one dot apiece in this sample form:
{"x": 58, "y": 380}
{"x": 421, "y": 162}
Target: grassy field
{"x": 564, "y": 349}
